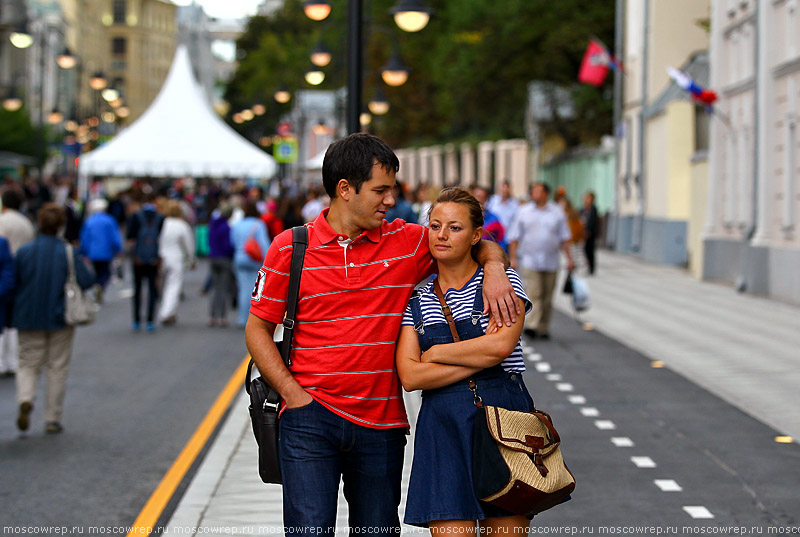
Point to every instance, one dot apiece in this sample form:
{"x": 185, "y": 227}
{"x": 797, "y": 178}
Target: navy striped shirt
{"x": 460, "y": 302}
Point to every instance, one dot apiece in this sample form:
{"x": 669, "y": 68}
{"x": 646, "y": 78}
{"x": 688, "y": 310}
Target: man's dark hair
{"x": 544, "y": 185}
{"x": 352, "y": 158}
{"x": 12, "y": 199}
{"x": 51, "y": 218}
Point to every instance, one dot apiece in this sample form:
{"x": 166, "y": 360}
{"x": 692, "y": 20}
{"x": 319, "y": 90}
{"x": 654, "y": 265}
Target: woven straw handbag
{"x": 517, "y": 463}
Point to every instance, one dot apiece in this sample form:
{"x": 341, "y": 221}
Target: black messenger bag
{"x": 264, "y": 400}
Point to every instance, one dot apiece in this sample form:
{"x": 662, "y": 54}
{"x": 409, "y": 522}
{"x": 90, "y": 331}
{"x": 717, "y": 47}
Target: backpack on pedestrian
{"x": 145, "y": 250}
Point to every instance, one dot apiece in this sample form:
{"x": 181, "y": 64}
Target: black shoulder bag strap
{"x": 299, "y": 243}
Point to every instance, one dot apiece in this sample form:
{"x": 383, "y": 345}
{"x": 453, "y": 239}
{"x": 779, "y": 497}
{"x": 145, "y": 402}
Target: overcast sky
{"x": 225, "y": 9}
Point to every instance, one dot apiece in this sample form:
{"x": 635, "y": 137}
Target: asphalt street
{"x": 133, "y": 401}
{"x": 648, "y": 447}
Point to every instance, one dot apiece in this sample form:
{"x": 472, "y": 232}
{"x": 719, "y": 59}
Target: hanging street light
{"x": 379, "y": 104}
{"x": 282, "y": 95}
{"x": 315, "y": 76}
{"x": 364, "y": 118}
{"x": 317, "y": 10}
{"x": 110, "y": 94}
{"x": 98, "y": 81}
{"x": 55, "y": 117}
{"x": 395, "y": 72}
{"x": 321, "y": 55}
{"x": 320, "y": 129}
{"x": 123, "y": 112}
{"x": 411, "y": 15}
{"x": 259, "y": 109}
{"x": 66, "y": 60}
{"x": 12, "y": 102}
{"x": 20, "y": 37}
{"x": 247, "y": 114}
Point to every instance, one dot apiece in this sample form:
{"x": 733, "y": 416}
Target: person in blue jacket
{"x": 245, "y": 267}
{"x": 45, "y": 340}
{"x": 100, "y": 241}
{"x": 6, "y": 288}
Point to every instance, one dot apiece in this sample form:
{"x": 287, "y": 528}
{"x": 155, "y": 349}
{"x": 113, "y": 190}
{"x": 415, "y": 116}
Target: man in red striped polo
{"x": 343, "y": 416}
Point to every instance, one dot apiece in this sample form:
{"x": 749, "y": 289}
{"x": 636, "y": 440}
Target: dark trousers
{"x": 222, "y": 281}
{"x": 102, "y": 270}
{"x": 141, "y": 273}
{"x": 588, "y": 249}
{"x": 317, "y": 450}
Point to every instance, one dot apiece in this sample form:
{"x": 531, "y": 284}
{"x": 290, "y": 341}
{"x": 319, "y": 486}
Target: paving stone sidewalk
{"x": 743, "y": 348}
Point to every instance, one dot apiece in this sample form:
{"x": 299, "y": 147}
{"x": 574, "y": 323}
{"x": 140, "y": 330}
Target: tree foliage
{"x": 17, "y": 134}
{"x": 470, "y": 67}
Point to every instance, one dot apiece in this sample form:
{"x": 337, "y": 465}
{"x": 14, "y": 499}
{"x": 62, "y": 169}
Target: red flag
{"x": 594, "y": 67}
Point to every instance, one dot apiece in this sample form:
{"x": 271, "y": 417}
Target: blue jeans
{"x": 318, "y": 449}
{"x": 245, "y": 280}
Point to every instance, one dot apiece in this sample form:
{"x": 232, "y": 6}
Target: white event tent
{"x": 180, "y": 135}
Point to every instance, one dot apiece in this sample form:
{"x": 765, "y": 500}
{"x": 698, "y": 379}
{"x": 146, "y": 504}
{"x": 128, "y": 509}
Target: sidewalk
{"x": 226, "y": 496}
{"x": 742, "y": 348}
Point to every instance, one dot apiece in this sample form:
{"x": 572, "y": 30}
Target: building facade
{"x": 751, "y": 235}
{"x": 656, "y": 135}
{"x": 141, "y": 37}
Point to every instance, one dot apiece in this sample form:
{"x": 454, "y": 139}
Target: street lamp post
{"x": 410, "y": 15}
{"x": 354, "y": 66}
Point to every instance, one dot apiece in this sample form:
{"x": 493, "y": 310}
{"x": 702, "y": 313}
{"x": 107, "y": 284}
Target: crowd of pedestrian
{"x": 149, "y": 234}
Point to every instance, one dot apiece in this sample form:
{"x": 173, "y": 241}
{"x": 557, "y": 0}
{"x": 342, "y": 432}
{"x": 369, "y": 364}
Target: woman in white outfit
{"x": 176, "y": 249}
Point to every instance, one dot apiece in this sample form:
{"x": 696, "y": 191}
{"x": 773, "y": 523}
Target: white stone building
{"x": 751, "y": 236}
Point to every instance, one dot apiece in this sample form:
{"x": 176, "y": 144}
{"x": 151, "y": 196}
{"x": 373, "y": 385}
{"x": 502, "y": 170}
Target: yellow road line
{"x": 148, "y": 517}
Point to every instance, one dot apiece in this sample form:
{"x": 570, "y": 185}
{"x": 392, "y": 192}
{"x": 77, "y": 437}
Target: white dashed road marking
{"x": 698, "y": 511}
{"x": 622, "y": 441}
{"x": 668, "y": 485}
{"x": 543, "y": 367}
{"x": 605, "y": 425}
{"x": 577, "y": 399}
{"x": 643, "y": 462}
{"x": 590, "y": 412}
{"x": 564, "y": 387}
{"x": 554, "y": 377}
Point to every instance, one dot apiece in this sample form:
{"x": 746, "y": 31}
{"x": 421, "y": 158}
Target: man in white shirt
{"x": 538, "y": 232}
{"x": 504, "y": 206}
{"x": 18, "y": 230}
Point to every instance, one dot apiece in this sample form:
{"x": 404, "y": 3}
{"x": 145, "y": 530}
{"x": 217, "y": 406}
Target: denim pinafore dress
{"x": 441, "y": 486}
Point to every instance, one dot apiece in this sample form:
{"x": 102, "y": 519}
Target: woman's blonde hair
{"x": 456, "y": 194}
{"x": 173, "y": 209}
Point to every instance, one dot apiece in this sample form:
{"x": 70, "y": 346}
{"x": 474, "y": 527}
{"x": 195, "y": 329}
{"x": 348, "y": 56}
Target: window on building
{"x": 120, "y": 11}
{"x": 702, "y": 120}
{"x": 119, "y": 46}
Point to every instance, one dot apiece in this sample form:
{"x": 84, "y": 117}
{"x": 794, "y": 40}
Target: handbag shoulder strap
{"x": 70, "y": 263}
{"x": 299, "y": 243}
{"x": 448, "y": 314}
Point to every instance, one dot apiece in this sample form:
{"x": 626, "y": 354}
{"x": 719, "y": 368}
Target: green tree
{"x": 17, "y": 133}
{"x": 470, "y": 67}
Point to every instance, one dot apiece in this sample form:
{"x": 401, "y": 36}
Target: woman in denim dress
{"x": 441, "y": 495}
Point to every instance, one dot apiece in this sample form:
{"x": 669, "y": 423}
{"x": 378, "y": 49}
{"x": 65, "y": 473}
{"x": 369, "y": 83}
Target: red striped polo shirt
{"x": 352, "y": 298}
